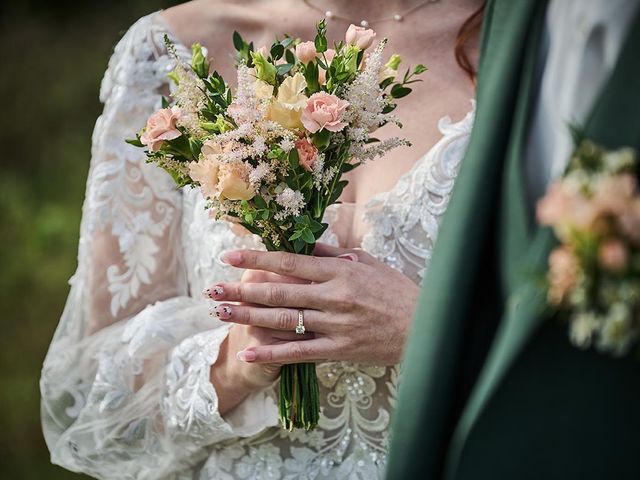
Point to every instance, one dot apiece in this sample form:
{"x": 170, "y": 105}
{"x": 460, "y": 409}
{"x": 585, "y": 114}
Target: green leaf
{"x": 290, "y": 57}
{"x": 297, "y": 234}
{"x": 311, "y": 76}
{"x": 238, "y": 42}
{"x": 419, "y": 69}
{"x": 259, "y": 201}
{"x": 294, "y": 160}
{"x": 307, "y": 236}
{"x": 299, "y": 245}
{"x": 284, "y": 68}
{"x": 321, "y": 139}
{"x": 386, "y": 82}
{"x": 135, "y": 141}
{"x": 398, "y": 91}
{"x": 277, "y": 50}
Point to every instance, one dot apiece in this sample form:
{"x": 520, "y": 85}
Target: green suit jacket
{"x": 492, "y": 388}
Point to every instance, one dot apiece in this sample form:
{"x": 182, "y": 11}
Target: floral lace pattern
{"x": 125, "y": 385}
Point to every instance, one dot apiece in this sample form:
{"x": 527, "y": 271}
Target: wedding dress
{"x": 125, "y": 385}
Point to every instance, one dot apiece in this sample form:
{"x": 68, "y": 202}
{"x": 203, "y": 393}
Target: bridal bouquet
{"x": 271, "y": 154}
{"x": 594, "y": 275}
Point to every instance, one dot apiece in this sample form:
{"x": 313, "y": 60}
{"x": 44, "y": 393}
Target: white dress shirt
{"x": 582, "y": 41}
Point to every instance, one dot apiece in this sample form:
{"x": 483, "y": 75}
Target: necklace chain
{"x": 398, "y": 16}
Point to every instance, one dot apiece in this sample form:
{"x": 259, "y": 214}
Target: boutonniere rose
{"x": 594, "y": 274}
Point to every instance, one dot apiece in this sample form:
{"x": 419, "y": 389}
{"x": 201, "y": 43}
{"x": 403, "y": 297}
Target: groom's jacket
{"x": 492, "y": 387}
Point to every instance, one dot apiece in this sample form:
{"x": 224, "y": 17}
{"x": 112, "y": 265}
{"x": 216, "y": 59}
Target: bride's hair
{"x": 469, "y": 28}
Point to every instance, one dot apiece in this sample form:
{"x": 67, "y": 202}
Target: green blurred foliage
{"x": 53, "y": 56}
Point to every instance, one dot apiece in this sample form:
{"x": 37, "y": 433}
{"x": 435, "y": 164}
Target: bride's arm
{"x": 126, "y": 388}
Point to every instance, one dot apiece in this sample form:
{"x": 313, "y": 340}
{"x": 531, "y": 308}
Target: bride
{"x": 147, "y": 379}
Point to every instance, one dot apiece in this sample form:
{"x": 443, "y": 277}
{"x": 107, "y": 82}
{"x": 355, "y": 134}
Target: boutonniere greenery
{"x": 593, "y": 277}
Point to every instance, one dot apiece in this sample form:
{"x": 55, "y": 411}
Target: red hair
{"x": 468, "y": 28}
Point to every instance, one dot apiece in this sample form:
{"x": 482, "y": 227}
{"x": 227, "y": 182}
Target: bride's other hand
{"x": 233, "y": 378}
{"x": 358, "y": 310}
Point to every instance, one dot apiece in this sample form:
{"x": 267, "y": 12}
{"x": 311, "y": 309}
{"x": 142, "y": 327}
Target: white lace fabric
{"x": 125, "y": 385}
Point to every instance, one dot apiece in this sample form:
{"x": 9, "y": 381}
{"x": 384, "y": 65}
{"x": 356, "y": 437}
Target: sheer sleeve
{"x": 125, "y": 385}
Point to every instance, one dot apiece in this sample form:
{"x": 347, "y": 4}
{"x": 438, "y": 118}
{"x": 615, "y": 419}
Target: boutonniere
{"x": 594, "y": 274}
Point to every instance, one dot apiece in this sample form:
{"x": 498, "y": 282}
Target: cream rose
{"x": 161, "y": 126}
{"x": 306, "y": 52}
{"x": 324, "y": 111}
{"x": 286, "y": 108}
{"x": 360, "y": 37}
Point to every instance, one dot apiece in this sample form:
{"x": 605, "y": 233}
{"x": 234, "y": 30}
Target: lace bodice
{"x": 125, "y": 384}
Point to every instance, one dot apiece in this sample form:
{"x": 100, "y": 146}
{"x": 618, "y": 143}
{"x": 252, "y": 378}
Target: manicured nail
{"x": 216, "y": 292}
{"x": 221, "y": 311}
{"x": 232, "y": 258}
{"x": 246, "y": 356}
{"x": 349, "y": 256}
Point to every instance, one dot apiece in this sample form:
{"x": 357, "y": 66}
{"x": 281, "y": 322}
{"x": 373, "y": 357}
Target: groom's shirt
{"x": 581, "y": 43}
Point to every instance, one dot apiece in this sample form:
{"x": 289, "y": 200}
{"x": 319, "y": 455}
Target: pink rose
{"x": 161, "y": 126}
{"x": 306, "y": 52}
{"x": 563, "y": 274}
{"x": 324, "y": 111}
{"x": 264, "y": 51}
{"x": 307, "y": 153}
{"x": 360, "y": 37}
{"x": 613, "y": 255}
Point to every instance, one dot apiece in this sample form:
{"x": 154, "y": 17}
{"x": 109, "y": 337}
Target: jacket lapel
{"x": 527, "y": 303}
{"x": 428, "y": 406}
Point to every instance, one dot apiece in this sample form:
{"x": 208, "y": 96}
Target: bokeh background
{"x": 53, "y": 54}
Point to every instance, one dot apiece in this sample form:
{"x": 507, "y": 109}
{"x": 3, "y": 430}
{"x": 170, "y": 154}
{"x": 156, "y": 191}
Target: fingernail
{"x": 349, "y": 256}
{"x": 215, "y": 292}
{"x": 221, "y": 311}
{"x": 232, "y": 258}
{"x": 246, "y": 356}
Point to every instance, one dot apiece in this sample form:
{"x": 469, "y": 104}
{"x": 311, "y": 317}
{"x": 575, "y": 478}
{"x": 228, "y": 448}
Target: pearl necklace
{"x": 398, "y": 17}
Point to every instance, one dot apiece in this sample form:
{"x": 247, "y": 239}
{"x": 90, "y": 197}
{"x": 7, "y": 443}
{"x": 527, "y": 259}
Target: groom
{"x": 493, "y": 388}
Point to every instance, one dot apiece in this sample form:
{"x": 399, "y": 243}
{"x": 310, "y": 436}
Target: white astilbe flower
{"x": 189, "y": 96}
{"x": 260, "y": 172}
{"x": 245, "y": 109}
{"x": 287, "y": 144}
{"x": 365, "y": 96}
{"x": 375, "y": 150}
{"x": 292, "y": 202}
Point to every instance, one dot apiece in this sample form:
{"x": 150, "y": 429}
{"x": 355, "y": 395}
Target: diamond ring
{"x": 300, "y": 327}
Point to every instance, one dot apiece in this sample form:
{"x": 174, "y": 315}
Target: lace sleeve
{"x": 125, "y": 384}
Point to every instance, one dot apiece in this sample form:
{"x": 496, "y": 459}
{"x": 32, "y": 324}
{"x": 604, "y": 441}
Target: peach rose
{"x": 161, "y": 126}
{"x": 613, "y": 255}
{"x": 563, "y": 274}
{"x": 233, "y": 182}
{"x": 359, "y": 36}
{"x": 324, "y": 111}
{"x": 218, "y": 179}
{"x": 307, "y": 153}
{"x": 206, "y": 173}
{"x": 306, "y": 52}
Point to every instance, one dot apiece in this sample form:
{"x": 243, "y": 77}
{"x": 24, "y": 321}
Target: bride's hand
{"x": 358, "y": 310}
{"x": 234, "y": 378}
